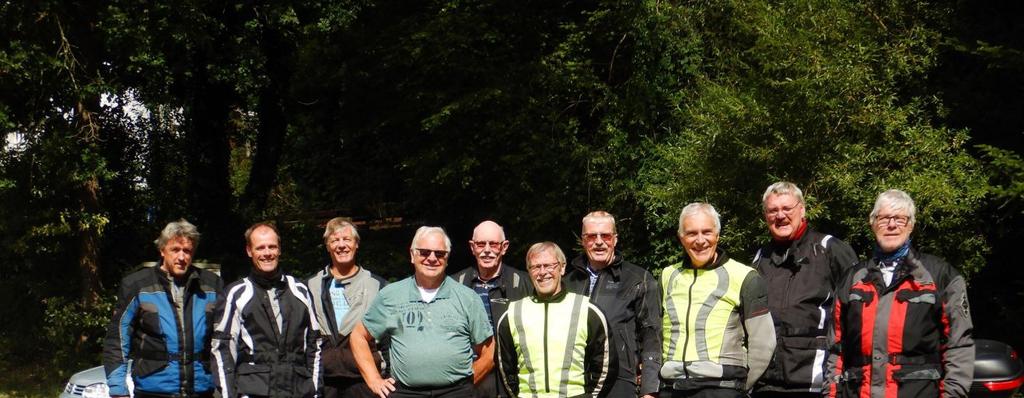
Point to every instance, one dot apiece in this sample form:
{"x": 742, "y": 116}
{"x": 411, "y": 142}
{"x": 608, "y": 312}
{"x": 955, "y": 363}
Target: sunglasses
{"x": 593, "y": 237}
{"x": 425, "y": 253}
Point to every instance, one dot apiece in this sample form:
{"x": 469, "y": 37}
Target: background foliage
{"x": 121, "y": 116}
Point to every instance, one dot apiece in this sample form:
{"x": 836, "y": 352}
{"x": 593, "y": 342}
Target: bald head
{"x": 489, "y": 230}
{"x": 488, "y": 246}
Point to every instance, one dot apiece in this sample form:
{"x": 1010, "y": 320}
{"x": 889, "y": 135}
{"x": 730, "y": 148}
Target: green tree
{"x": 813, "y": 92}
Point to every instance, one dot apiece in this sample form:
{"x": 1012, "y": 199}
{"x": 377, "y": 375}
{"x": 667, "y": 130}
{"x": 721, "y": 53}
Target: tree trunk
{"x": 89, "y": 243}
{"x": 273, "y": 121}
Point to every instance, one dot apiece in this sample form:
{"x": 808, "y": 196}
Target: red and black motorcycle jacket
{"x": 911, "y": 338}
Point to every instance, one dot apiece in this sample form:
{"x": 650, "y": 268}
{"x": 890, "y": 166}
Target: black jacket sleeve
{"x": 758, "y": 325}
{"x": 117, "y": 343}
{"x": 508, "y": 361}
{"x": 224, "y": 345}
{"x": 842, "y": 258}
{"x": 649, "y": 331}
{"x": 600, "y": 364}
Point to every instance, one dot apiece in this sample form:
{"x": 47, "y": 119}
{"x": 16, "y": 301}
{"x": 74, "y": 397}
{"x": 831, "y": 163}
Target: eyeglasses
{"x": 900, "y": 221}
{"x": 544, "y": 267}
{"x": 593, "y": 237}
{"x": 483, "y": 244}
{"x": 786, "y": 210}
{"x": 425, "y": 253}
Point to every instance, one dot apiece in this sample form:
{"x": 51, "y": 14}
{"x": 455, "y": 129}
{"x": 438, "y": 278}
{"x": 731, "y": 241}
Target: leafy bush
{"x": 76, "y": 332}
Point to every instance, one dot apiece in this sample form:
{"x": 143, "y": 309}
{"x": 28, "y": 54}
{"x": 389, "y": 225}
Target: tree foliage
{"x": 812, "y": 92}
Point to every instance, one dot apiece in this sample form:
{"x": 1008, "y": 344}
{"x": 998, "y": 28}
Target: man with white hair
{"x": 903, "y": 325}
{"x": 497, "y": 284}
{"x": 718, "y": 333}
{"x": 801, "y": 269}
{"x": 435, "y": 326}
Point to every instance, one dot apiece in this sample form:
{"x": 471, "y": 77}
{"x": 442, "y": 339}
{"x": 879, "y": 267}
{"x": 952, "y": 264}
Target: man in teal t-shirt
{"x": 435, "y": 326}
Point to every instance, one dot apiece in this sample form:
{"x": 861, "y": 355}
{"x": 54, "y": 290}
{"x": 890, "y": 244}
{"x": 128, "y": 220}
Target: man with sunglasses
{"x": 435, "y": 326}
{"x": 630, "y": 299}
{"x": 801, "y": 269}
{"x": 496, "y": 283}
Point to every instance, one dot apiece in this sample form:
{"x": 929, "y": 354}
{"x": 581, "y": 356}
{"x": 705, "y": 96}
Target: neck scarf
{"x": 795, "y": 236}
{"x": 897, "y": 254}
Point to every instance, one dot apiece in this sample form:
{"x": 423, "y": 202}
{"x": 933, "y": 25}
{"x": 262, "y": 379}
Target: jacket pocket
{"x": 850, "y": 382}
{"x": 794, "y": 359}
{"x": 627, "y": 347}
{"x": 918, "y": 381}
{"x": 145, "y": 367}
{"x": 252, "y": 379}
{"x": 304, "y": 381}
{"x": 149, "y": 320}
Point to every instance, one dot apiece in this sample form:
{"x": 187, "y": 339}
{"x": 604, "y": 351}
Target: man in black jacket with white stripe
{"x": 266, "y": 340}
{"x": 801, "y": 269}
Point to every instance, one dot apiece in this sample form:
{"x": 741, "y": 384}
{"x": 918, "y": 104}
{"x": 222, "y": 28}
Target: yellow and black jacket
{"x": 554, "y": 347}
{"x": 717, "y": 329}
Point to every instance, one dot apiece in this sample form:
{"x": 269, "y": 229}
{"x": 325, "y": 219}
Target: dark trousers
{"x": 340, "y": 387}
{"x": 146, "y": 394}
{"x": 619, "y": 388}
{"x": 461, "y": 389}
{"x": 490, "y": 387}
{"x": 779, "y": 394}
{"x": 708, "y": 392}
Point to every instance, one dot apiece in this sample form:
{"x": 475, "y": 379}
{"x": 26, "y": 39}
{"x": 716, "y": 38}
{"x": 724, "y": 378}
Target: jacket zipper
{"x": 547, "y": 374}
{"x": 689, "y": 306}
{"x": 789, "y": 282}
{"x": 597, "y": 286}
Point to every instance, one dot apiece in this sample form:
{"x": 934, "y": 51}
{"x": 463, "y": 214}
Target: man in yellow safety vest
{"x": 554, "y": 343}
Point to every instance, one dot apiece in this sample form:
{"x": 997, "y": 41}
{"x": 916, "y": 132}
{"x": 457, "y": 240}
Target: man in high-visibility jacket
{"x": 718, "y": 332}
{"x": 554, "y": 343}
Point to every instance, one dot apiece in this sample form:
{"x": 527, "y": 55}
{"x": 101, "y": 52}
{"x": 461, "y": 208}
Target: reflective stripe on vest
{"x": 552, "y": 348}
{"x": 701, "y": 314}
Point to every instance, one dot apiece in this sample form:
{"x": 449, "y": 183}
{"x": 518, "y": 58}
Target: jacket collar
{"x": 191, "y": 275}
{"x": 581, "y": 263}
{"x": 474, "y": 273}
{"x": 327, "y": 277}
{"x": 909, "y": 266}
{"x": 722, "y": 258}
{"x": 557, "y": 298}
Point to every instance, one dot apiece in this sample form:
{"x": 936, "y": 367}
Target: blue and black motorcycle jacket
{"x": 168, "y": 357}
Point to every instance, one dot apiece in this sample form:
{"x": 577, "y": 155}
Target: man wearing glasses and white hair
{"x": 903, "y": 325}
{"x": 629, "y": 298}
{"x": 801, "y": 269}
{"x": 435, "y": 326}
{"x": 554, "y": 343}
{"x": 495, "y": 282}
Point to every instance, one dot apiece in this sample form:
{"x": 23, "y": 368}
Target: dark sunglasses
{"x": 425, "y": 253}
